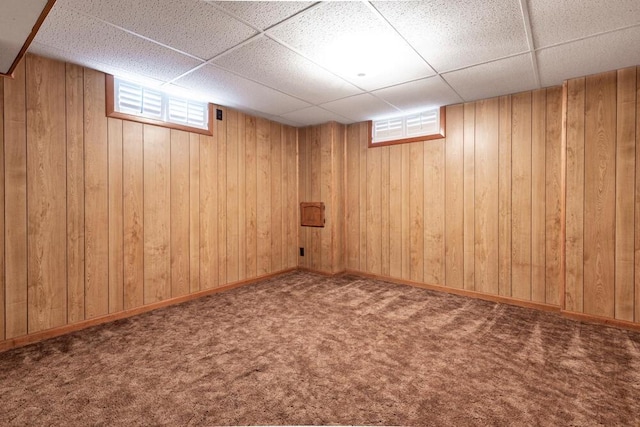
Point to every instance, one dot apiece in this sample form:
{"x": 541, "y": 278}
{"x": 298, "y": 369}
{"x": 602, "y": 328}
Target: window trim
{"x": 111, "y": 112}
{"x": 429, "y": 137}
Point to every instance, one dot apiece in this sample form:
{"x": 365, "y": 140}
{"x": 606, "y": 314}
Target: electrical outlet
{"x": 301, "y": 251}
{"x": 218, "y": 114}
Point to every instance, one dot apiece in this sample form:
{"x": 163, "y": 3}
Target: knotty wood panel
{"x": 538, "y": 195}
{"x": 486, "y": 196}
{"x": 338, "y": 194}
{"x": 384, "y": 211}
{"x": 96, "y": 163}
{"x": 179, "y": 211}
{"x": 157, "y": 213}
{"x": 454, "y": 197}
{"x": 75, "y": 192}
{"x": 2, "y": 280}
{"x": 416, "y": 211}
{"x": 116, "y": 230}
{"x": 291, "y": 155}
{"x": 637, "y": 204}
{"x": 575, "y": 195}
{"x": 133, "y": 214}
{"x": 238, "y": 201}
{"x": 599, "y": 217}
{"x": 15, "y": 158}
{"x": 521, "y": 196}
{"x": 353, "y": 198}
{"x": 504, "y": 197}
{"x": 625, "y": 199}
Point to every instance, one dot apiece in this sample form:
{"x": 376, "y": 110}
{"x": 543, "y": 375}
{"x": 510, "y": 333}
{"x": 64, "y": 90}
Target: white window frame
{"x": 126, "y": 100}
{"x": 429, "y": 124}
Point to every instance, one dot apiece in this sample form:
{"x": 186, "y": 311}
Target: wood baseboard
{"x": 588, "y": 318}
{"x": 322, "y": 273}
{"x": 462, "y": 292}
{"x": 62, "y": 330}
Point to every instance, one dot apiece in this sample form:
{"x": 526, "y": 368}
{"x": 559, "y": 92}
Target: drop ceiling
{"x": 303, "y": 63}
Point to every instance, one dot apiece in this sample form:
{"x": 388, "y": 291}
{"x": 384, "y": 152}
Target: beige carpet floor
{"x": 306, "y": 349}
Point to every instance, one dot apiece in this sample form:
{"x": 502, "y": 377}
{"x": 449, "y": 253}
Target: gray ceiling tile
{"x": 420, "y": 95}
{"x": 262, "y": 14}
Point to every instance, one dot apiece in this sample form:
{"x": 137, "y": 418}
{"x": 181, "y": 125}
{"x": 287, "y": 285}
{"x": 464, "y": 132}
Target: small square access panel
{"x": 312, "y": 214}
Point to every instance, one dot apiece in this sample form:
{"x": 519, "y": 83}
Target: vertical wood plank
{"x": 504, "y": 194}
{"x": 133, "y": 214}
{"x": 46, "y": 193}
{"x": 599, "y": 215}
{"x": 338, "y": 164}
{"x": 96, "y": 196}
{"x": 575, "y": 195}
{"x": 179, "y": 213}
{"x": 486, "y": 196}
{"x": 363, "y": 180}
{"x": 405, "y": 213}
{"x": 75, "y": 192}
{"x": 194, "y": 212}
{"x": 326, "y": 191}
{"x": 521, "y": 196}
{"x": 251, "y": 196}
{"x": 373, "y": 207}
{"x": 315, "y": 234}
{"x": 353, "y": 197}
{"x": 625, "y": 199}
{"x": 15, "y": 158}
{"x": 538, "y": 195}
{"x": 233, "y": 208}
{"x": 385, "y": 211}
{"x": 208, "y": 212}
{"x": 240, "y": 200}
{"x": 434, "y": 212}
{"x": 276, "y": 195}
{"x": 303, "y": 178}
{"x": 222, "y": 143}
{"x": 637, "y": 203}
{"x": 469, "y": 195}
{"x": 395, "y": 210}
{"x": 416, "y": 210}
{"x": 553, "y": 188}
{"x": 116, "y": 245}
{"x": 292, "y": 206}
{"x": 454, "y": 197}
{"x": 2, "y": 230}
{"x": 263, "y": 191}
{"x": 157, "y": 213}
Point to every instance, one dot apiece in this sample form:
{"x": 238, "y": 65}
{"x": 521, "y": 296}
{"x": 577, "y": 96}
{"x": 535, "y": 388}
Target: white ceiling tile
{"x": 556, "y": 21}
{"x": 227, "y": 89}
{"x": 315, "y": 115}
{"x": 87, "y": 39}
{"x": 263, "y": 14}
{"x": 420, "y": 95}
{"x": 194, "y": 27}
{"x": 274, "y": 65}
{"x": 606, "y": 52}
{"x": 497, "y": 78}
{"x": 361, "y": 107}
{"x": 349, "y": 39}
{"x": 452, "y": 34}
{"x": 283, "y": 120}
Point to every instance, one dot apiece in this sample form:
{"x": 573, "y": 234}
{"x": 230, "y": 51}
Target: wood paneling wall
{"x": 321, "y": 179}
{"x": 103, "y": 215}
{"x": 603, "y": 195}
{"x": 479, "y": 210}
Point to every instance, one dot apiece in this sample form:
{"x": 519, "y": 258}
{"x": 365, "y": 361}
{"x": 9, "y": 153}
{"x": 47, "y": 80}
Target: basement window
{"x": 422, "y": 126}
{"x": 132, "y": 101}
